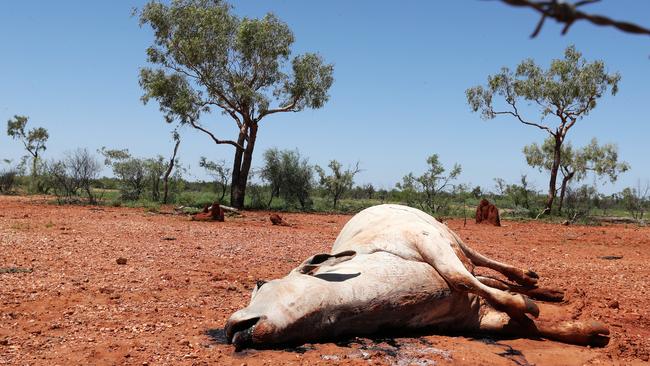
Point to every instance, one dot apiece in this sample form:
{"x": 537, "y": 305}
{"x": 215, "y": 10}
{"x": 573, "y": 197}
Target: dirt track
{"x": 182, "y": 280}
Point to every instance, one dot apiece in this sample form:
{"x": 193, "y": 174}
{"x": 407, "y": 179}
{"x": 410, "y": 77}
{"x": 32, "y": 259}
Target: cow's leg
{"x": 537, "y": 293}
{"x": 441, "y": 256}
{"x": 521, "y": 276}
{"x": 585, "y": 333}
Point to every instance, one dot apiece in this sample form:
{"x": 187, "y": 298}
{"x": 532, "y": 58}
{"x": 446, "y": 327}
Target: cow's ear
{"x": 311, "y": 264}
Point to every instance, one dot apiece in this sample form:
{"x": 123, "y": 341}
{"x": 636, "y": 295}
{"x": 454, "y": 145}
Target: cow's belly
{"x": 381, "y": 291}
{"x": 391, "y": 228}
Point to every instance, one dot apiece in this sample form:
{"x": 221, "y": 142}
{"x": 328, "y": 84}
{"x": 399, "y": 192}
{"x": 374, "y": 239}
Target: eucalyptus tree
{"x": 339, "y": 182}
{"x": 575, "y": 164}
{"x": 34, "y": 140}
{"x": 170, "y": 166}
{"x": 429, "y": 186}
{"x": 289, "y": 175}
{"x": 566, "y": 92}
{"x": 204, "y": 58}
{"x": 218, "y": 171}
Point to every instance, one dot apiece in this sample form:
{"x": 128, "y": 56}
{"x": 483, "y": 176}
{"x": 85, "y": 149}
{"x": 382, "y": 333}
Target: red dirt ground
{"x": 182, "y": 279}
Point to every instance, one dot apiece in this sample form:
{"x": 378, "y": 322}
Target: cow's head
{"x": 288, "y": 309}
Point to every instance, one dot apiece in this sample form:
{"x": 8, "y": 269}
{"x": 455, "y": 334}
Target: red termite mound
{"x": 212, "y": 212}
{"x": 277, "y": 220}
{"x": 487, "y": 213}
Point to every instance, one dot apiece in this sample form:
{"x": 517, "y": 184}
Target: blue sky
{"x": 401, "y": 69}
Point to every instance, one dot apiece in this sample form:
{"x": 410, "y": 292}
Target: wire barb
{"x": 568, "y": 13}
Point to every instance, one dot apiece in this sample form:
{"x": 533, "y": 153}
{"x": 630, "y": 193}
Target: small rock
{"x": 4, "y": 342}
{"x": 184, "y": 342}
{"x": 168, "y": 238}
{"x": 613, "y": 304}
{"x": 105, "y": 290}
{"x": 121, "y": 261}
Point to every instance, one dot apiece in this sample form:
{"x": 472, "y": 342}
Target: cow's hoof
{"x": 531, "y": 307}
{"x": 518, "y": 311}
{"x": 598, "y": 334}
{"x": 546, "y": 294}
{"x": 526, "y": 278}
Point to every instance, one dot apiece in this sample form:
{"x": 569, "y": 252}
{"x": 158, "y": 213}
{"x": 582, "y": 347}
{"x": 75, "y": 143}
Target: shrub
{"x": 71, "y": 177}
{"x": 7, "y": 180}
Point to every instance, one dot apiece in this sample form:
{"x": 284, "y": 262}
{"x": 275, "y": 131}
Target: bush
{"x": 196, "y": 199}
{"x": 71, "y": 177}
{"x": 579, "y": 202}
{"x": 430, "y": 190}
{"x": 7, "y": 180}
{"x": 289, "y": 176}
{"x": 636, "y": 200}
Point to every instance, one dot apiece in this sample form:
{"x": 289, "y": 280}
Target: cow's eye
{"x": 260, "y": 283}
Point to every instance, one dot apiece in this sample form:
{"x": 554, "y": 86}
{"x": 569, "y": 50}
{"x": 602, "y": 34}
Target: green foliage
{"x": 339, "y": 182}
{"x": 205, "y": 57}
{"x": 289, "y": 175}
{"x": 196, "y": 199}
{"x": 129, "y": 170}
{"x": 569, "y": 88}
{"x": 155, "y": 169}
{"x": 210, "y": 57}
{"x": 429, "y": 189}
{"x": 602, "y": 160}
{"x": 137, "y": 175}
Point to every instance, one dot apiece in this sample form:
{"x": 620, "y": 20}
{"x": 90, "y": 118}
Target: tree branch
{"x": 516, "y": 114}
{"x": 288, "y": 108}
{"x": 214, "y": 138}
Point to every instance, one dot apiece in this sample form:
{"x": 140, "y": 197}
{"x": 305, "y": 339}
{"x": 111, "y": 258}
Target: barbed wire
{"x": 568, "y": 13}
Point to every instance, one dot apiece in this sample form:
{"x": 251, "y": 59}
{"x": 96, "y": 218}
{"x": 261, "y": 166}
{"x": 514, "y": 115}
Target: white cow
{"x": 395, "y": 267}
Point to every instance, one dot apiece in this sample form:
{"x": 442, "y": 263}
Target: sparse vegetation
{"x": 338, "y": 182}
{"x": 71, "y": 178}
{"x": 431, "y": 190}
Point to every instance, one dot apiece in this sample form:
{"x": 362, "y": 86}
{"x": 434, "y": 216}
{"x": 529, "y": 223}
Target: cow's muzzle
{"x": 240, "y": 332}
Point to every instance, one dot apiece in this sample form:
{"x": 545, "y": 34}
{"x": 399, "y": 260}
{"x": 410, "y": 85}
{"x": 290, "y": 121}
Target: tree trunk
{"x": 242, "y": 166}
{"x": 235, "y": 189}
{"x": 554, "y": 170}
{"x": 565, "y": 180}
{"x": 34, "y": 162}
{"x": 169, "y": 171}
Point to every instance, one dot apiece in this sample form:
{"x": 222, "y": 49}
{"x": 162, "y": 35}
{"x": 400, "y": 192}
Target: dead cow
{"x": 487, "y": 213}
{"x": 395, "y": 267}
{"x": 212, "y": 212}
